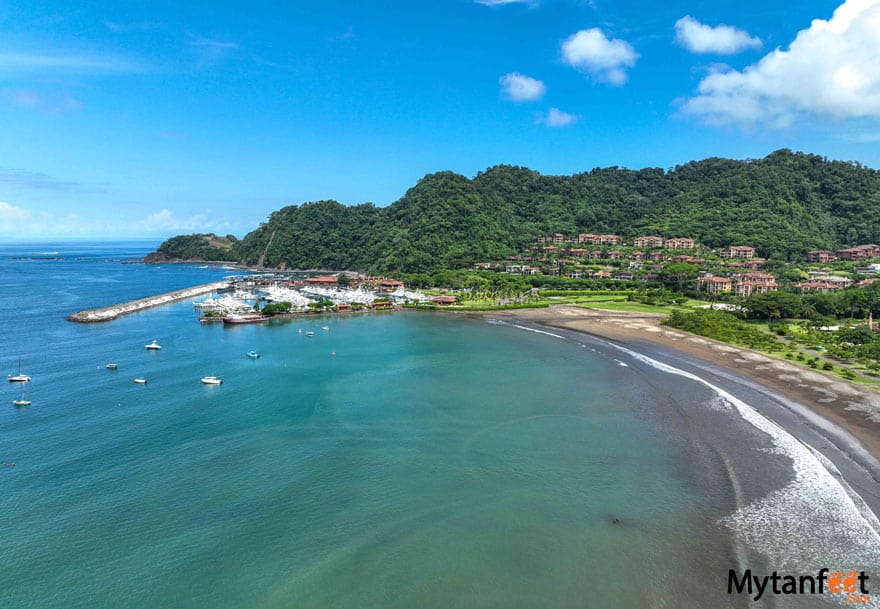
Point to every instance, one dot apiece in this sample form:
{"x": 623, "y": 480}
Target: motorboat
{"x": 153, "y": 346}
{"x": 111, "y": 366}
{"x": 140, "y": 380}
{"x": 245, "y": 319}
{"x": 325, "y": 328}
{"x": 253, "y": 354}
{"x": 18, "y": 378}
{"x": 310, "y": 333}
{"x": 211, "y": 380}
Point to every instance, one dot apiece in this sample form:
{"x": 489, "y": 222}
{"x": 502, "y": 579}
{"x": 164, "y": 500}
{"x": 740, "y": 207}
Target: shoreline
{"x": 853, "y": 409}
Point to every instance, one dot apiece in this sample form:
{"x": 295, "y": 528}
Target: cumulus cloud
{"x": 828, "y": 71}
{"x": 557, "y": 118}
{"x": 519, "y": 87}
{"x": 593, "y": 52}
{"x": 723, "y": 39}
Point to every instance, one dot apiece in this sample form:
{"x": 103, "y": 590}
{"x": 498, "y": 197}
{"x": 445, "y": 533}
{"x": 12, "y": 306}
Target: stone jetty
{"x": 114, "y": 311}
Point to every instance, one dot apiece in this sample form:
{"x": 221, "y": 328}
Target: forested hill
{"x": 784, "y": 205}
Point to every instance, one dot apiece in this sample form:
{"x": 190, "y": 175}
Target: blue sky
{"x": 148, "y": 119}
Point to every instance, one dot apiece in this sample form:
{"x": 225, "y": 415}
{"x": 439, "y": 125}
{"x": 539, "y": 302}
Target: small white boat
{"x": 325, "y": 328}
{"x": 310, "y": 333}
{"x": 153, "y": 346}
{"x": 22, "y": 401}
{"x": 140, "y": 380}
{"x": 18, "y": 378}
{"x": 211, "y": 380}
{"x": 111, "y": 366}
{"x": 253, "y": 354}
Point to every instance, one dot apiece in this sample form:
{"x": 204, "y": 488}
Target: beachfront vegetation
{"x": 783, "y": 205}
{"x": 724, "y": 327}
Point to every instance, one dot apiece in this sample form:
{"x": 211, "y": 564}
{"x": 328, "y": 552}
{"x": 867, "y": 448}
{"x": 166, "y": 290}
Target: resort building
{"x": 744, "y": 289}
{"x": 609, "y": 239}
{"x": 739, "y": 251}
{"x": 680, "y": 243}
{"x": 821, "y": 256}
{"x": 588, "y": 238}
{"x": 859, "y": 253}
{"x": 715, "y": 285}
{"x": 652, "y": 241}
{"x": 817, "y": 286}
{"x": 614, "y": 255}
{"x": 389, "y": 285}
{"x": 763, "y": 278}
{"x": 656, "y": 256}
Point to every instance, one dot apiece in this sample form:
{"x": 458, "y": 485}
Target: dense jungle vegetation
{"x": 783, "y": 205}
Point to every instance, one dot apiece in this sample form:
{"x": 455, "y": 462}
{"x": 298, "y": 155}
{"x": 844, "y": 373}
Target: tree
{"x": 774, "y": 305}
{"x": 680, "y": 273}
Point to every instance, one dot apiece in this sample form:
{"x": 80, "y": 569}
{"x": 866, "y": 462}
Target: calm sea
{"x": 433, "y": 461}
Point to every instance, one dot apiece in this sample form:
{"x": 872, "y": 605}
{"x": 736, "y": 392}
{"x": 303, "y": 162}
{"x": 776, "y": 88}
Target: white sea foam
{"x": 620, "y": 363}
{"x": 539, "y": 331}
{"x": 817, "y": 519}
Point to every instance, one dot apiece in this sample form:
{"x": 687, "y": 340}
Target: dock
{"x": 112, "y": 312}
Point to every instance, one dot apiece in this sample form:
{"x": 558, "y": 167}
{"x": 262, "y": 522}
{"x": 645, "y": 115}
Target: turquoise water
{"x": 433, "y": 461}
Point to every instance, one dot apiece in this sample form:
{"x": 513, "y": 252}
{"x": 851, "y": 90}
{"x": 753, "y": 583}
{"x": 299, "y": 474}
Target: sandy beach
{"x": 850, "y": 407}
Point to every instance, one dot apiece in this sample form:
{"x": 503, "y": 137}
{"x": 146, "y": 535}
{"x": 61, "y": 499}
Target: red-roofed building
{"x": 739, "y": 251}
{"x": 680, "y": 243}
{"x": 859, "y": 252}
{"x": 821, "y": 256}
{"x": 744, "y": 289}
{"x": 715, "y": 285}
{"x": 651, "y": 241}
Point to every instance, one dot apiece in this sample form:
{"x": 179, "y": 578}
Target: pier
{"x": 112, "y": 312}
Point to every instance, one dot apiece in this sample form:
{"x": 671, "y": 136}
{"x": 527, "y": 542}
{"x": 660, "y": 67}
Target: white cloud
{"x": 606, "y": 59}
{"x": 91, "y": 64}
{"x": 557, "y": 118}
{"x": 18, "y": 222}
{"x": 723, "y": 39}
{"x": 11, "y": 213}
{"x": 503, "y": 2}
{"x": 519, "y": 87}
{"x": 828, "y": 71}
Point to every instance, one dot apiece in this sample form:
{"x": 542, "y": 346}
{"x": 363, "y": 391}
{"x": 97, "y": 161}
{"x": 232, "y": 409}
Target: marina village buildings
{"x": 732, "y": 271}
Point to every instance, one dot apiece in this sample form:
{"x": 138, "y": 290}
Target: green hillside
{"x": 783, "y": 205}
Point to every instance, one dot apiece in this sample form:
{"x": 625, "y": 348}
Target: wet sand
{"x": 852, "y": 408}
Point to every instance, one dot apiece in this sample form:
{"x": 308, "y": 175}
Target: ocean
{"x": 394, "y": 460}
